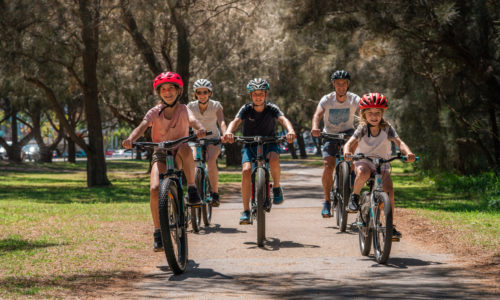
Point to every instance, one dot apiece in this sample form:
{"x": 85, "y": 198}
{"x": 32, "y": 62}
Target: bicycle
{"x": 341, "y": 188}
{"x": 203, "y": 185}
{"x": 172, "y": 209}
{"x": 261, "y": 187}
{"x": 374, "y": 219}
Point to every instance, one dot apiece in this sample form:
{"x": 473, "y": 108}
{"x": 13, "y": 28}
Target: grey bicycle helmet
{"x": 340, "y": 74}
{"x": 202, "y": 83}
{"x": 257, "y": 84}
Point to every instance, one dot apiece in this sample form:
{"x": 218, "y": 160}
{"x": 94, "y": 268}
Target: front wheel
{"x": 172, "y": 224}
{"x": 382, "y": 227}
{"x": 260, "y": 194}
{"x": 344, "y": 191}
{"x": 364, "y": 231}
{"x": 206, "y": 207}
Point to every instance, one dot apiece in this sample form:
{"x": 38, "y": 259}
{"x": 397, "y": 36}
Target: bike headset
{"x": 172, "y": 78}
{"x": 258, "y": 84}
{"x": 341, "y": 74}
{"x": 373, "y": 100}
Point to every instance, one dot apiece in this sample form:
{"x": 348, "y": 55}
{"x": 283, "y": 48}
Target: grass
{"x": 57, "y": 235}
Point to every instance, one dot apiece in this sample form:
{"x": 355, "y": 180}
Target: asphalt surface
{"x": 305, "y": 257}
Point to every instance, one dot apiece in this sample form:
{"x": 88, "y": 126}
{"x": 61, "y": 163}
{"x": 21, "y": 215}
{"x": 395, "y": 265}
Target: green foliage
{"x": 485, "y": 187}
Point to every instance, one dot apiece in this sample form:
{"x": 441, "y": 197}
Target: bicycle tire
{"x": 382, "y": 227}
{"x": 364, "y": 231}
{"x": 196, "y": 211}
{"x": 345, "y": 192}
{"x": 172, "y": 224}
{"x": 261, "y": 194}
{"x": 206, "y": 208}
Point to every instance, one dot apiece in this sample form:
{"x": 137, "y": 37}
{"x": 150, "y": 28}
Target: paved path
{"x": 305, "y": 257}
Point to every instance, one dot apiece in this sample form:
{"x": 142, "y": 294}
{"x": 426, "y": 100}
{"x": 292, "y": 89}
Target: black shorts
{"x": 332, "y": 147}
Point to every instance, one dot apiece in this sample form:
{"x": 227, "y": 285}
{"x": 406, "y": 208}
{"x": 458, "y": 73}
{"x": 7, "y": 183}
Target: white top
{"x": 339, "y": 116}
{"x": 379, "y": 146}
{"x": 209, "y": 117}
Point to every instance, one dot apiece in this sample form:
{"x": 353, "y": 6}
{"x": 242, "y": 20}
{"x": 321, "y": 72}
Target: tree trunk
{"x": 233, "y": 154}
{"x": 291, "y": 149}
{"x": 300, "y": 142}
{"x": 96, "y": 162}
{"x": 183, "y": 48}
{"x": 71, "y": 151}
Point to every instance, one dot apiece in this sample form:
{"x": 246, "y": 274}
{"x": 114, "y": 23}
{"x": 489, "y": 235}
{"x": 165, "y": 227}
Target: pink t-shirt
{"x": 167, "y": 130}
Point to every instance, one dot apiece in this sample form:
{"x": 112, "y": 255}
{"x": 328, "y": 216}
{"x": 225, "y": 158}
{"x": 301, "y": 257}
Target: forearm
{"x": 315, "y": 121}
{"x": 404, "y": 148}
{"x": 223, "y": 127}
{"x": 194, "y": 123}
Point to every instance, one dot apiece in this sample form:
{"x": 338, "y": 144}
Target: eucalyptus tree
{"x": 45, "y": 35}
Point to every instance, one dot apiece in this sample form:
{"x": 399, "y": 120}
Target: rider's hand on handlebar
{"x": 316, "y": 132}
{"x": 200, "y": 133}
{"x": 411, "y": 157}
{"x": 228, "y": 138}
{"x": 127, "y": 144}
{"x": 347, "y": 156}
{"x": 290, "y": 136}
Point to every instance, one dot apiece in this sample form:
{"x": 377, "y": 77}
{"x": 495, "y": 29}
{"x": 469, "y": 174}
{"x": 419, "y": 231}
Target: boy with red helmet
{"x": 373, "y": 137}
{"x": 169, "y": 120}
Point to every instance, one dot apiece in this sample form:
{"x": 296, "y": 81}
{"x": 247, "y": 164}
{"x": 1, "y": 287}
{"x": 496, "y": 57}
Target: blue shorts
{"x": 249, "y": 153}
{"x": 332, "y": 147}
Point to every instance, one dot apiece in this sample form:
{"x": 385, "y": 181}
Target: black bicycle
{"x": 341, "y": 188}
{"x": 374, "y": 219}
{"x": 202, "y": 184}
{"x": 172, "y": 209}
{"x": 261, "y": 188}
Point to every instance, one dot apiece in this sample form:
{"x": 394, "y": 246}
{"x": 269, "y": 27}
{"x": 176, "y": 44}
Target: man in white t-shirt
{"x": 209, "y": 113}
{"x": 338, "y": 110}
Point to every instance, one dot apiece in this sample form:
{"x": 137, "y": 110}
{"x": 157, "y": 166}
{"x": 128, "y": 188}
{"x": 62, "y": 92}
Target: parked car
{"x": 122, "y": 153}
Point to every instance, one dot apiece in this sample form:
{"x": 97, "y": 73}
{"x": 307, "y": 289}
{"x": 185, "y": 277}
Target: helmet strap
{"x": 168, "y": 105}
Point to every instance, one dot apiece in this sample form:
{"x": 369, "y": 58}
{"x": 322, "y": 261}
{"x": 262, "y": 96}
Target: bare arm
{"x": 196, "y": 124}
{"x": 349, "y": 147}
{"x": 136, "y": 133}
{"x": 405, "y": 149}
{"x": 228, "y": 135}
{"x": 290, "y": 136}
{"x": 318, "y": 115}
{"x": 221, "y": 122}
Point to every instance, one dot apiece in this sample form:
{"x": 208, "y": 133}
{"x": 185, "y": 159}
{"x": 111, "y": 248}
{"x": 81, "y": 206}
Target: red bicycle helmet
{"x": 373, "y": 100}
{"x": 168, "y": 77}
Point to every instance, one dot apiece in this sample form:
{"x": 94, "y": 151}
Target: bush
{"x": 485, "y": 186}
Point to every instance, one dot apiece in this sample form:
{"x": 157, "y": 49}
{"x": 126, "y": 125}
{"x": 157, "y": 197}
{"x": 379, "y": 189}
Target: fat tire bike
{"x": 341, "y": 188}
{"x": 260, "y": 201}
{"x": 375, "y": 219}
{"x": 172, "y": 210}
{"x": 202, "y": 185}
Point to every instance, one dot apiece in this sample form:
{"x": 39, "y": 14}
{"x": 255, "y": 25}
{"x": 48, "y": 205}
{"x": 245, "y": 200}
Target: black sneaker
{"x": 158, "y": 244}
{"x": 193, "y": 198}
{"x": 396, "y": 234}
{"x": 215, "y": 200}
{"x": 354, "y": 203}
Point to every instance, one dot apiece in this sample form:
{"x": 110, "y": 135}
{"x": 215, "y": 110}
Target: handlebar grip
{"x": 405, "y": 158}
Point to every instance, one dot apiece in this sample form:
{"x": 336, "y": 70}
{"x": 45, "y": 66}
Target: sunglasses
{"x": 202, "y": 93}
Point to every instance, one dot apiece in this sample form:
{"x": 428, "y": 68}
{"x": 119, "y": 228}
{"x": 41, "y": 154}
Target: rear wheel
{"x": 260, "y": 195}
{"x": 345, "y": 191}
{"x": 382, "y": 227}
{"x": 365, "y": 234}
{"x": 172, "y": 224}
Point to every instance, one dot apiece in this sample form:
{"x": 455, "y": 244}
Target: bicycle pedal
{"x": 395, "y": 239}
{"x": 351, "y": 212}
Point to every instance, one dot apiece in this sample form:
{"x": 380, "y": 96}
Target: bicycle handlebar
{"x": 360, "y": 156}
{"x": 167, "y": 144}
{"x": 335, "y": 136}
{"x": 213, "y": 141}
{"x": 259, "y": 139}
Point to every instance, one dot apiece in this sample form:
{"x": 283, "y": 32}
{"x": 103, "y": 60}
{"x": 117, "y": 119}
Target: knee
{"x": 363, "y": 172}
{"x": 246, "y": 172}
{"x": 153, "y": 188}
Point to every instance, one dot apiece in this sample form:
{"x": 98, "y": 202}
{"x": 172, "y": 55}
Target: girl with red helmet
{"x": 373, "y": 137}
{"x": 169, "y": 120}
